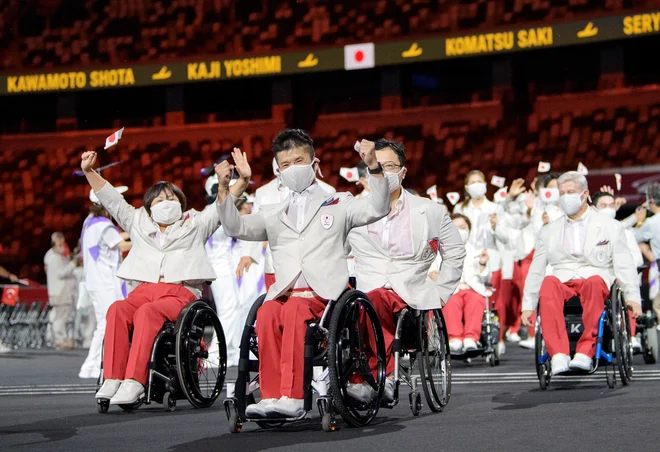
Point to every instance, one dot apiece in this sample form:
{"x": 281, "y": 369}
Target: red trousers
{"x": 269, "y": 279}
{"x": 553, "y": 296}
{"x": 281, "y": 327}
{"x": 510, "y": 298}
{"x": 144, "y": 311}
{"x": 386, "y": 303}
{"x": 463, "y": 314}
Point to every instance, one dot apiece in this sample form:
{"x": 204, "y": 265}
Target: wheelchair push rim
{"x": 434, "y": 360}
{"x": 622, "y": 341}
{"x": 201, "y": 354}
{"x": 353, "y": 322}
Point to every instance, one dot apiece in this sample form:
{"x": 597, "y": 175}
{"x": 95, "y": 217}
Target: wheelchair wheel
{"x": 542, "y": 369}
{"x": 353, "y": 325}
{"x": 130, "y": 406}
{"x": 621, "y": 331}
{"x": 201, "y": 354}
{"x": 434, "y": 360}
{"x": 650, "y": 345}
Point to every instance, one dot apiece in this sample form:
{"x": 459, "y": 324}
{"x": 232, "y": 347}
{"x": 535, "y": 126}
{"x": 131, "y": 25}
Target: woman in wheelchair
{"x": 465, "y": 309}
{"x": 168, "y": 266}
{"x": 587, "y": 251}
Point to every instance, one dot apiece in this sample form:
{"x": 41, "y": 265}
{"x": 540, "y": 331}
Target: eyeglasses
{"x": 390, "y": 167}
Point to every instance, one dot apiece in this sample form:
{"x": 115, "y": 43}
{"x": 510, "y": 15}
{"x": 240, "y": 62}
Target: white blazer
{"x": 433, "y": 233}
{"x": 606, "y": 252}
{"x": 317, "y": 251}
{"x": 182, "y": 258}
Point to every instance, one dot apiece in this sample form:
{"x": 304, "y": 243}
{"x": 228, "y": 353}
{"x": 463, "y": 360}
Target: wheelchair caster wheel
{"x": 328, "y": 423}
{"x": 415, "y": 403}
{"x": 169, "y": 402}
{"x": 102, "y": 406}
{"x": 235, "y": 424}
{"x": 544, "y": 381}
{"x": 610, "y": 381}
{"x": 130, "y": 406}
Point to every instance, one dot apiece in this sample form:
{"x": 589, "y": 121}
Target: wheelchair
{"x": 422, "y": 336}
{"x": 335, "y": 351}
{"x": 188, "y": 361}
{"x": 648, "y": 335}
{"x": 613, "y": 345}
{"x": 489, "y": 338}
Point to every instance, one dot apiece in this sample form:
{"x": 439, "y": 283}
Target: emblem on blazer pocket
{"x": 327, "y": 220}
{"x": 601, "y": 256}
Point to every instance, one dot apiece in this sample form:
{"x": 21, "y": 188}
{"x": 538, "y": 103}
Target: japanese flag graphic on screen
{"x": 359, "y": 56}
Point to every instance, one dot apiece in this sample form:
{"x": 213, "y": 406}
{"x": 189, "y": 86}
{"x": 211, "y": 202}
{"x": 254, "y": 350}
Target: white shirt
{"x": 575, "y": 234}
{"x": 100, "y": 269}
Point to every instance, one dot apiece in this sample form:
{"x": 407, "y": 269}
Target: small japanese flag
{"x": 498, "y": 181}
{"x": 582, "y": 169}
{"x": 359, "y": 56}
{"x": 350, "y": 174}
{"x": 544, "y": 167}
{"x": 500, "y": 195}
{"x": 453, "y": 197}
{"x": 617, "y": 177}
{"x": 549, "y": 195}
{"x": 113, "y": 139}
{"x": 433, "y": 192}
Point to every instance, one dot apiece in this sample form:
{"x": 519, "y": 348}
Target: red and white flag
{"x": 350, "y": 174}
{"x": 432, "y": 192}
{"x": 453, "y": 197}
{"x": 582, "y": 169}
{"x": 10, "y": 295}
{"x": 359, "y": 56}
{"x": 500, "y": 195}
{"x": 498, "y": 181}
{"x": 113, "y": 139}
{"x": 549, "y": 195}
{"x": 544, "y": 167}
{"x": 617, "y": 177}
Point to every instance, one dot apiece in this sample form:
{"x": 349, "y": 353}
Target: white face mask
{"x": 465, "y": 235}
{"x": 394, "y": 181}
{"x": 166, "y": 212}
{"x": 571, "y": 204}
{"x": 476, "y": 190}
{"x": 298, "y": 177}
{"x": 608, "y": 212}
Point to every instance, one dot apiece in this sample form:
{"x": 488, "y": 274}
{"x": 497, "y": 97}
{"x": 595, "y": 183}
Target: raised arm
{"x": 363, "y": 211}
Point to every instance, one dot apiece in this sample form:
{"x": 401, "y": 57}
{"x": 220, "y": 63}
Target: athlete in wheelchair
{"x": 307, "y": 234}
{"x": 587, "y": 252}
{"x": 393, "y": 257}
{"x": 168, "y": 265}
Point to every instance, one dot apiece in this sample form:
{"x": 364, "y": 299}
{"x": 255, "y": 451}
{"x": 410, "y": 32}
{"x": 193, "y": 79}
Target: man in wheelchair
{"x": 307, "y": 234}
{"x": 393, "y": 257}
{"x": 587, "y": 252}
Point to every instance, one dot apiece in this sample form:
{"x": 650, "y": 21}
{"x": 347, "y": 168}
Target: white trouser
{"x": 101, "y": 301}
{"x": 225, "y": 295}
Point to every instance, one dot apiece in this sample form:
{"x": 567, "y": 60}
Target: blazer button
{"x": 302, "y": 238}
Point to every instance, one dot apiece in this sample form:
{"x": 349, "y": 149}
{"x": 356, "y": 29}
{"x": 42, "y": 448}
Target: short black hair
{"x": 293, "y": 138}
{"x": 453, "y": 216}
{"x": 543, "y": 180}
{"x": 159, "y": 187}
{"x": 599, "y": 194}
{"x": 362, "y": 170}
{"x": 398, "y": 148}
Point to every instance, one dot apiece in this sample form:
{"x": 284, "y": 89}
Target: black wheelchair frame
{"x": 179, "y": 360}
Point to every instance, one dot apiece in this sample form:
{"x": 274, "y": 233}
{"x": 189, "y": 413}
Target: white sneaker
{"x": 469, "y": 344}
{"x": 259, "y": 409}
{"x": 581, "y": 362}
{"x": 512, "y": 337}
{"x": 501, "y": 348}
{"x": 4, "y": 348}
{"x": 636, "y": 344}
{"x": 559, "y": 363}
{"x": 129, "y": 392}
{"x": 286, "y": 407}
{"x": 108, "y": 389}
{"x": 528, "y": 343}
{"x": 361, "y": 392}
{"x": 388, "y": 392}
{"x": 455, "y": 345}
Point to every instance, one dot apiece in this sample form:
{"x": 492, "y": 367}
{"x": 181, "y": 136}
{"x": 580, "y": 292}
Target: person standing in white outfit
{"x": 102, "y": 246}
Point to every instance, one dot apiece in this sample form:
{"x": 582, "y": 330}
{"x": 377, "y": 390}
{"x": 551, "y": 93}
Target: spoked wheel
{"x": 542, "y": 369}
{"x": 620, "y": 324}
{"x": 201, "y": 354}
{"x": 434, "y": 359}
{"x": 353, "y": 337}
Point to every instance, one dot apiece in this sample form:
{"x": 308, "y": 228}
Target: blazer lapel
{"x": 418, "y": 223}
{"x": 314, "y": 203}
{"x": 283, "y": 217}
{"x": 593, "y": 229}
{"x": 364, "y": 231}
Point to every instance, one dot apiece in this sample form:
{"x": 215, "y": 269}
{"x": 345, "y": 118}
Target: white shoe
{"x": 129, "y": 392}
{"x": 512, "y": 337}
{"x": 4, "y": 348}
{"x": 286, "y": 407}
{"x": 636, "y": 344}
{"x": 260, "y": 409}
{"x": 528, "y": 343}
{"x": 469, "y": 344}
{"x": 455, "y": 345}
{"x": 361, "y": 392}
{"x": 388, "y": 392}
{"x": 108, "y": 389}
{"x": 501, "y": 348}
{"x": 581, "y": 362}
{"x": 559, "y": 363}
